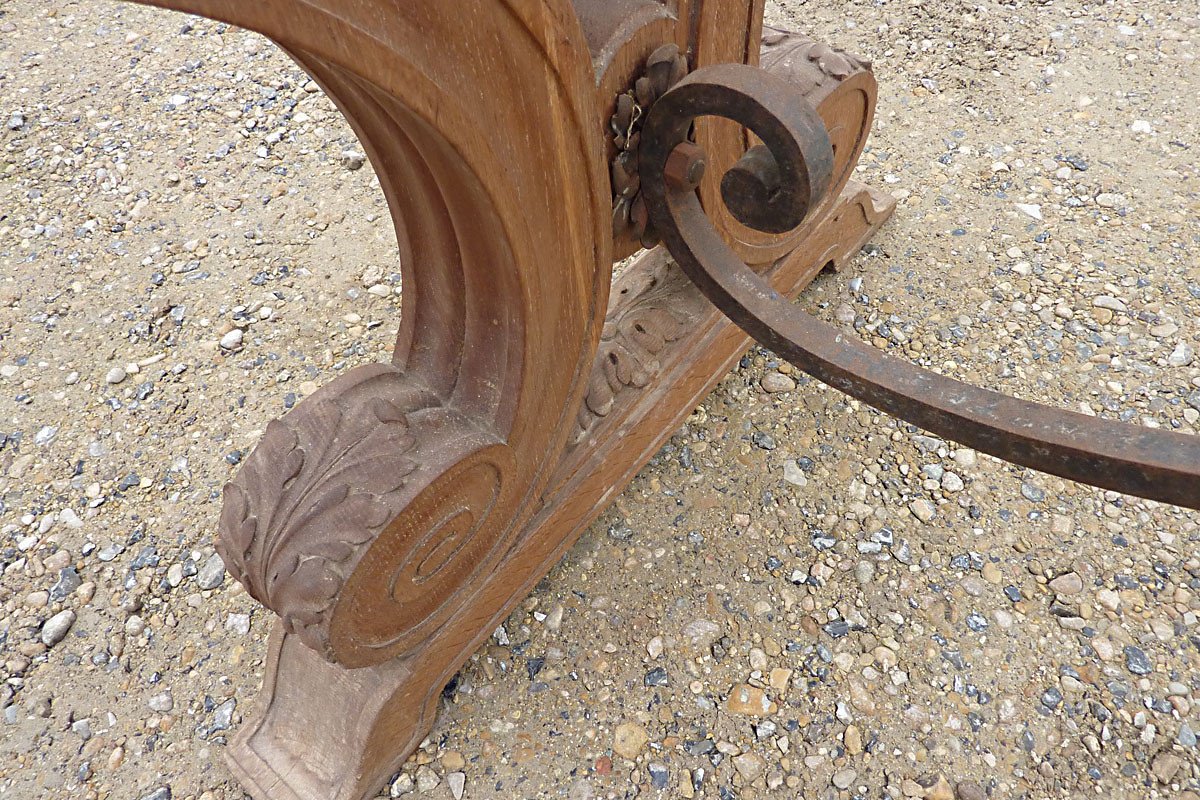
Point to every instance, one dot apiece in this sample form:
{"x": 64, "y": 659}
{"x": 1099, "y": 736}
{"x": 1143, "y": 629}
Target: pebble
{"x": 969, "y": 790}
{"x": 402, "y": 785}
{"x": 457, "y": 781}
{"x": 774, "y": 382}
{"x": 793, "y": 474}
{"x": 852, "y": 739}
{"x": 844, "y": 778}
{"x": 655, "y": 647}
{"x": 922, "y": 509}
{"x": 161, "y": 793}
{"x": 212, "y": 574}
{"x": 162, "y": 702}
{"x": 701, "y": 633}
{"x": 629, "y": 739}
{"x": 55, "y": 629}
{"x": 1067, "y": 584}
{"x": 1165, "y": 766}
{"x": 1108, "y": 599}
{"x": 116, "y": 375}
{"x": 427, "y": 779}
{"x": 353, "y": 159}
{"x": 1181, "y": 356}
{"x": 749, "y": 701}
{"x": 68, "y": 581}
{"x": 223, "y": 715}
{"x": 1137, "y": 662}
{"x": 749, "y": 766}
{"x": 232, "y": 340}
{"x": 941, "y": 790}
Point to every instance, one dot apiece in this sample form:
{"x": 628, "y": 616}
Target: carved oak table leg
{"x": 395, "y": 517}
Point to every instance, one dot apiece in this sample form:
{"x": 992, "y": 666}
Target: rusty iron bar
{"x": 1155, "y": 464}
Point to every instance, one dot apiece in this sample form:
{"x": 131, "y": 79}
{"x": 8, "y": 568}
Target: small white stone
{"x": 116, "y": 375}
{"x": 232, "y": 340}
{"x": 1182, "y": 355}
{"x": 1108, "y": 599}
{"x": 1141, "y": 126}
{"x": 952, "y": 483}
{"x": 161, "y": 703}
{"x": 1032, "y": 209}
{"x": 457, "y": 781}
{"x": 793, "y": 474}
{"x": 655, "y": 647}
{"x": 1109, "y": 302}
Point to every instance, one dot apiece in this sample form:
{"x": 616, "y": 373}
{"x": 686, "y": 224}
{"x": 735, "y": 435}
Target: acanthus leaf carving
{"x": 316, "y": 491}
{"x": 649, "y": 313}
{"x": 781, "y": 46}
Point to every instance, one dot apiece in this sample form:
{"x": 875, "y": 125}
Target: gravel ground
{"x": 812, "y": 601}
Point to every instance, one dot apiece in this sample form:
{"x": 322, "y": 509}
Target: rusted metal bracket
{"x": 771, "y": 189}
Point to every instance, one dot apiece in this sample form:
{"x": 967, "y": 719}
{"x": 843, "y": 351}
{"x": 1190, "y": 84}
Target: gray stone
{"x": 402, "y": 785}
{"x": 1137, "y": 661}
{"x": 161, "y": 793}
{"x": 844, "y": 779}
{"x": 55, "y": 629}
{"x": 212, "y": 574}
{"x": 68, "y": 581}
{"x": 969, "y": 790}
{"x": 223, "y": 716}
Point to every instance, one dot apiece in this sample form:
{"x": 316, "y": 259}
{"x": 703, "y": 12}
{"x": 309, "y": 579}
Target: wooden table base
{"x": 301, "y": 744}
{"x": 397, "y": 515}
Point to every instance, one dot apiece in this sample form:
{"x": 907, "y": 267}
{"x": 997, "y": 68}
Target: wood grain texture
{"x": 398, "y": 514}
